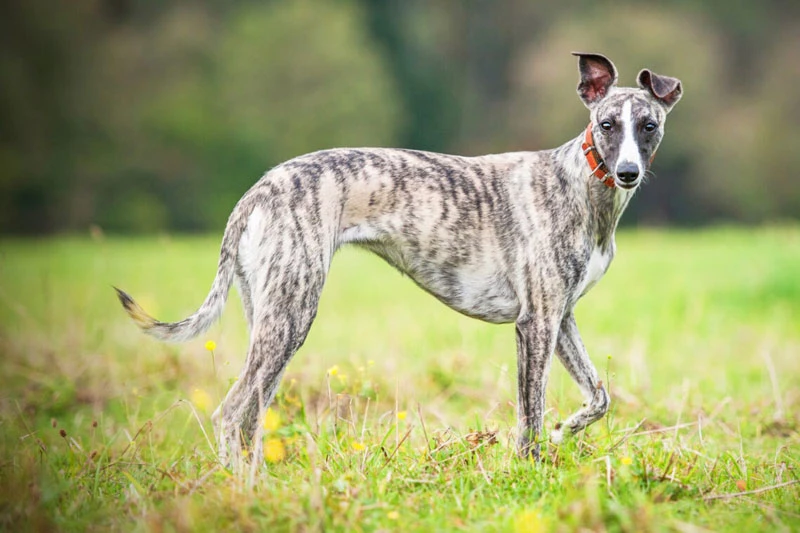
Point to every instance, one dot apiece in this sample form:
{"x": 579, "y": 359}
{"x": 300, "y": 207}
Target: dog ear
{"x": 598, "y": 74}
{"x": 665, "y": 89}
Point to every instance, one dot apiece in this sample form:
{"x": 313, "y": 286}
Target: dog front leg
{"x": 573, "y": 355}
{"x": 536, "y": 337}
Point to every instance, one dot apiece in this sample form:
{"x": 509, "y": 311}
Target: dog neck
{"x": 607, "y": 203}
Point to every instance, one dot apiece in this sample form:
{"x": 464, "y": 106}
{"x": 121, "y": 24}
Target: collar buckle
{"x": 596, "y": 163}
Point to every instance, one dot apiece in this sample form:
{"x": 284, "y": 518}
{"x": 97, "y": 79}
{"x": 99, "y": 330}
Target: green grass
{"x": 697, "y": 333}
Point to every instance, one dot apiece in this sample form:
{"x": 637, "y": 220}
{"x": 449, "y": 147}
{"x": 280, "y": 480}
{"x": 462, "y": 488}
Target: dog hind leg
{"x": 245, "y": 294}
{"x": 285, "y": 288}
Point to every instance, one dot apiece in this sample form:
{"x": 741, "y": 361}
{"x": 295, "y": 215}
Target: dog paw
{"x": 557, "y": 435}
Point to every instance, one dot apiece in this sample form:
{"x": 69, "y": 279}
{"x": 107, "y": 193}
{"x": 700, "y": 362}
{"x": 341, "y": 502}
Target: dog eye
{"x": 650, "y": 126}
{"x": 606, "y": 125}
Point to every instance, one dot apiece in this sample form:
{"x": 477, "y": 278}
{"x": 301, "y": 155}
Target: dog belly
{"x": 478, "y": 291}
{"x": 488, "y": 298}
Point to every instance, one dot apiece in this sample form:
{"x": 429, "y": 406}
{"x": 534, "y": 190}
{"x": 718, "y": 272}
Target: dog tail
{"x": 210, "y": 311}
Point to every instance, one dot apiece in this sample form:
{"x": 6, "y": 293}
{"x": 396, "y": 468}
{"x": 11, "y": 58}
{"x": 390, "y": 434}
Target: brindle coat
{"x": 515, "y": 237}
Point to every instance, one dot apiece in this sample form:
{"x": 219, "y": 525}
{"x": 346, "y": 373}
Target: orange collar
{"x": 596, "y": 163}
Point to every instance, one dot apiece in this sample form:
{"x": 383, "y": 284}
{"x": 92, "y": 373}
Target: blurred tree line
{"x": 138, "y": 115}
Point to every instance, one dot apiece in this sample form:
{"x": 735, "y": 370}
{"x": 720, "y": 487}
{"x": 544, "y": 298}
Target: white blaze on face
{"x": 629, "y": 150}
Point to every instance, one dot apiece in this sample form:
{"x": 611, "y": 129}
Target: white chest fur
{"x": 598, "y": 264}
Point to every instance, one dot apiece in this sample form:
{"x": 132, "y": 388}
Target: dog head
{"x": 627, "y": 122}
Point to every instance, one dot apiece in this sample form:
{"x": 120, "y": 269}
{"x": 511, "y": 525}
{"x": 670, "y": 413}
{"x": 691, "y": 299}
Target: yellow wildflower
{"x": 626, "y": 460}
{"x": 357, "y": 446}
{"x": 401, "y": 415}
{"x": 274, "y": 450}
{"x": 201, "y": 399}
{"x": 529, "y": 521}
{"x": 211, "y": 346}
{"x": 332, "y": 371}
{"x": 392, "y": 515}
{"x": 272, "y": 420}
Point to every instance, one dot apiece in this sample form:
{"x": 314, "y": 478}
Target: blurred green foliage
{"x": 147, "y": 116}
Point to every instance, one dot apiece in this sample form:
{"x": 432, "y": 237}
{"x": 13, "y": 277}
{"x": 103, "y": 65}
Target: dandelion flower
{"x": 272, "y": 420}
{"x": 211, "y": 346}
{"x": 357, "y": 446}
{"x": 626, "y": 460}
{"x": 274, "y": 450}
{"x": 332, "y": 371}
{"x": 392, "y": 515}
{"x": 401, "y": 415}
{"x": 201, "y": 399}
{"x": 529, "y": 521}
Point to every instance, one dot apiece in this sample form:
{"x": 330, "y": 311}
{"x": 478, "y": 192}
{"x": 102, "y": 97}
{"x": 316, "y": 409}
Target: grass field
{"x": 399, "y": 414}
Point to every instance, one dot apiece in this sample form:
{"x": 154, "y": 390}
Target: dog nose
{"x": 627, "y": 171}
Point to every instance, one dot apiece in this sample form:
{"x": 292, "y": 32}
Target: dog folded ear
{"x": 598, "y": 74}
{"x": 665, "y": 89}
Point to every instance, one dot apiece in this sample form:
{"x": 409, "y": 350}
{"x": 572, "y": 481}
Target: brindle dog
{"x": 515, "y": 237}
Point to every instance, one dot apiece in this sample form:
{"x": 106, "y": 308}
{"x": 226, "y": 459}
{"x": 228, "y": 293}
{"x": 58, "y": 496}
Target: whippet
{"x": 514, "y": 237}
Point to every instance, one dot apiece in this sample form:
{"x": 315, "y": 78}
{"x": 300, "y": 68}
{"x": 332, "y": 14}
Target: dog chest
{"x": 599, "y": 261}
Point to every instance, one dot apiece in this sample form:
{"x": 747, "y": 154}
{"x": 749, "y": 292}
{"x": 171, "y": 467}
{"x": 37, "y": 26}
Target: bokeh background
{"x": 150, "y": 116}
